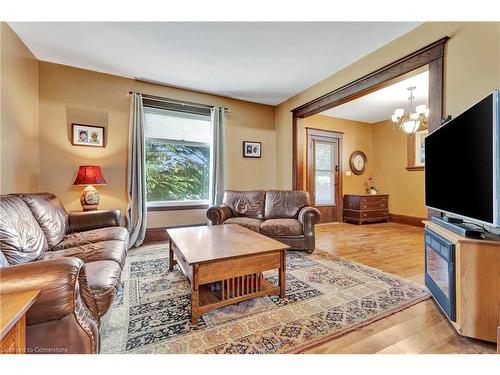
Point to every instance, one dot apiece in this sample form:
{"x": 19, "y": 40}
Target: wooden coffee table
{"x": 224, "y": 264}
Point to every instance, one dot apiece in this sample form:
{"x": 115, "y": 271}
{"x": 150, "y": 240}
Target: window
{"x": 324, "y": 179}
{"x": 177, "y": 157}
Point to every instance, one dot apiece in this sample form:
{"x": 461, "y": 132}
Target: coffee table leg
{"x": 171, "y": 261}
{"x": 282, "y": 274}
{"x": 195, "y": 297}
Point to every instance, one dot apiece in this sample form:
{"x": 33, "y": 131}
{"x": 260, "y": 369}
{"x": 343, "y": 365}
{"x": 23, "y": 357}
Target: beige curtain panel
{"x": 217, "y": 154}
{"x": 136, "y": 176}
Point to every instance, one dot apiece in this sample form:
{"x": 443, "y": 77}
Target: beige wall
{"x": 356, "y": 136}
{"x": 75, "y": 95}
{"x": 19, "y": 115}
{"x": 405, "y": 188}
{"x": 472, "y": 70}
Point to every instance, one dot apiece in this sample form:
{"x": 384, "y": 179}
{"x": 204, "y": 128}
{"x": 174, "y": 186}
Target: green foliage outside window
{"x": 177, "y": 172}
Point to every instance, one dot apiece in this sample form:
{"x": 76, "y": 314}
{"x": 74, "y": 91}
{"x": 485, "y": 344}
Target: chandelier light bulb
{"x": 421, "y": 109}
{"x": 399, "y": 112}
{"x": 410, "y": 126}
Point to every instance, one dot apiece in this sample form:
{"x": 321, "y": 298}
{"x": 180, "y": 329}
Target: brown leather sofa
{"x": 280, "y": 214}
{"x": 74, "y": 259}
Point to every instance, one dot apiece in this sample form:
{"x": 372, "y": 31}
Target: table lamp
{"x": 89, "y": 175}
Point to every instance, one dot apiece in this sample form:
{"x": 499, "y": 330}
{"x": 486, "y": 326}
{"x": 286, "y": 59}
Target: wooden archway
{"x": 431, "y": 55}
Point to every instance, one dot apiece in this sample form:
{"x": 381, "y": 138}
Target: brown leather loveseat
{"x": 74, "y": 259}
{"x": 284, "y": 215}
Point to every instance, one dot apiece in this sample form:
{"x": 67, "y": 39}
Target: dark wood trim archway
{"x": 431, "y": 55}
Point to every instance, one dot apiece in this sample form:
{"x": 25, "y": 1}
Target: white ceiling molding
{"x": 254, "y": 61}
{"x": 380, "y": 105}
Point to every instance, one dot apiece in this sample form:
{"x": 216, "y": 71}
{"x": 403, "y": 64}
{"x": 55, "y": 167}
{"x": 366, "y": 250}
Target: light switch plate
{"x": 347, "y": 173}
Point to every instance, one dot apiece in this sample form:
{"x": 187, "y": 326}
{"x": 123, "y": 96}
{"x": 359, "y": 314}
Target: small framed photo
{"x": 252, "y": 149}
{"x": 87, "y": 135}
{"x": 416, "y": 150}
{"x": 420, "y": 147}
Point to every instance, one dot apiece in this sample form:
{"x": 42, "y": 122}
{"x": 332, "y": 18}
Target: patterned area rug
{"x": 326, "y": 296}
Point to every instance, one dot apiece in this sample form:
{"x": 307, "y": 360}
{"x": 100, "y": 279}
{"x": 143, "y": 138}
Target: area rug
{"x": 326, "y": 297}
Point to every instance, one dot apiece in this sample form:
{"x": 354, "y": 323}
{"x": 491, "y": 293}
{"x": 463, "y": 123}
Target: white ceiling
{"x": 380, "y": 105}
{"x": 254, "y": 61}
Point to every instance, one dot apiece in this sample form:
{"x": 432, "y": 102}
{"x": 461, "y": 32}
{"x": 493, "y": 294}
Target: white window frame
{"x": 181, "y": 203}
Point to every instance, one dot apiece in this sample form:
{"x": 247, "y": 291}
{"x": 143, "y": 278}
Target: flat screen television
{"x": 462, "y": 166}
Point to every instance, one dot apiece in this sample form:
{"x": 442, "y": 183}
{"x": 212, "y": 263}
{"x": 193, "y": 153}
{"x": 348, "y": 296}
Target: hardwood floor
{"x": 397, "y": 249}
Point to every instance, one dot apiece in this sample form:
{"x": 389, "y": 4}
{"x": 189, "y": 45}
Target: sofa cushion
{"x": 3, "y": 260}
{"x": 247, "y": 222}
{"x": 21, "y": 238}
{"x": 50, "y": 215}
{"x": 115, "y": 250}
{"x": 103, "y": 278}
{"x": 281, "y": 227}
{"x": 285, "y": 203}
{"x": 245, "y": 203}
{"x": 92, "y": 236}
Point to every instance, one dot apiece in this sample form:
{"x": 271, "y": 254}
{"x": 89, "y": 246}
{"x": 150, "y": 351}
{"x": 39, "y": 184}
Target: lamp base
{"x": 89, "y": 198}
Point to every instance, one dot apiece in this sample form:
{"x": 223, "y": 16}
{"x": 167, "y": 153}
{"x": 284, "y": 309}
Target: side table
{"x": 13, "y": 308}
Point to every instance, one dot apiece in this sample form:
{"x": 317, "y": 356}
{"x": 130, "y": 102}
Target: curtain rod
{"x": 175, "y": 101}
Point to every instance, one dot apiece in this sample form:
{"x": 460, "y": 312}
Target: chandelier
{"x": 414, "y": 119}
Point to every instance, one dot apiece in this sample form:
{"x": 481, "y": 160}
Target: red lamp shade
{"x": 89, "y": 175}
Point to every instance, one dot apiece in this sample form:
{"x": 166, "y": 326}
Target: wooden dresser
{"x": 366, "y": 208}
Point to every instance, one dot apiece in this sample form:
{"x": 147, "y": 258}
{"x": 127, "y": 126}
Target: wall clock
{"x": 357, "y": 162}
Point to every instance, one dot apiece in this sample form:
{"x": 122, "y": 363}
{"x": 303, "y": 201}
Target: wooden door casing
{"x": 329, "y": 213}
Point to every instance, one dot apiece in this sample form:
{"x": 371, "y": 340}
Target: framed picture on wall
{"x": 416, "y": 151}
{"x": 420, "y": 147}
{"x": 252, "y": 149}
{"x": 87, "y": 135}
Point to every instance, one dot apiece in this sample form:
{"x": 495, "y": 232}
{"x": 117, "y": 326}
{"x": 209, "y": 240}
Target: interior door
{"x": 324, "y": 173}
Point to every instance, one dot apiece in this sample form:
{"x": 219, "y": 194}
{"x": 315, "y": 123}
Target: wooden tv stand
{"x": 477, "y": 281}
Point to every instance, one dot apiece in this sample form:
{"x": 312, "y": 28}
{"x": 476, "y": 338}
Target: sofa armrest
{"x": 62, "y": 283}
{"x": 219, "y": 214}
{"x": 309, "y": 216}
{"x": 88, "y": 220}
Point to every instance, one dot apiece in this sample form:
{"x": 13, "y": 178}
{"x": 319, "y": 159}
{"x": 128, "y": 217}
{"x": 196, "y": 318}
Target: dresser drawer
{"x": 366, "y": 202}
{"x": 374, "y": 214}
{"x": 373, "y": 205}
{"x": 380, "y": 214}
{"x": 374, "y": 199}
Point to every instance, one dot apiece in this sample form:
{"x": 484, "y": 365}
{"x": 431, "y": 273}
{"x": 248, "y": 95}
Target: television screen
{"x": 459, "y": 164}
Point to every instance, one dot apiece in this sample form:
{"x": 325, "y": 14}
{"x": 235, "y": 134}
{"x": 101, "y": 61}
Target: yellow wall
{"x": 472, "y": 70}
{"x": 19, "y": 115}
{"x": 405, "y": 188}
{"x": 70, "y": 94}
{"x": 386, "y": 152}
{"x": 357, "y": 136}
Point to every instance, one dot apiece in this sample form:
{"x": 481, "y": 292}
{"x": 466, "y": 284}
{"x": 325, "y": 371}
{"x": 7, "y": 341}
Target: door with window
{"x": 324, "y": 173}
